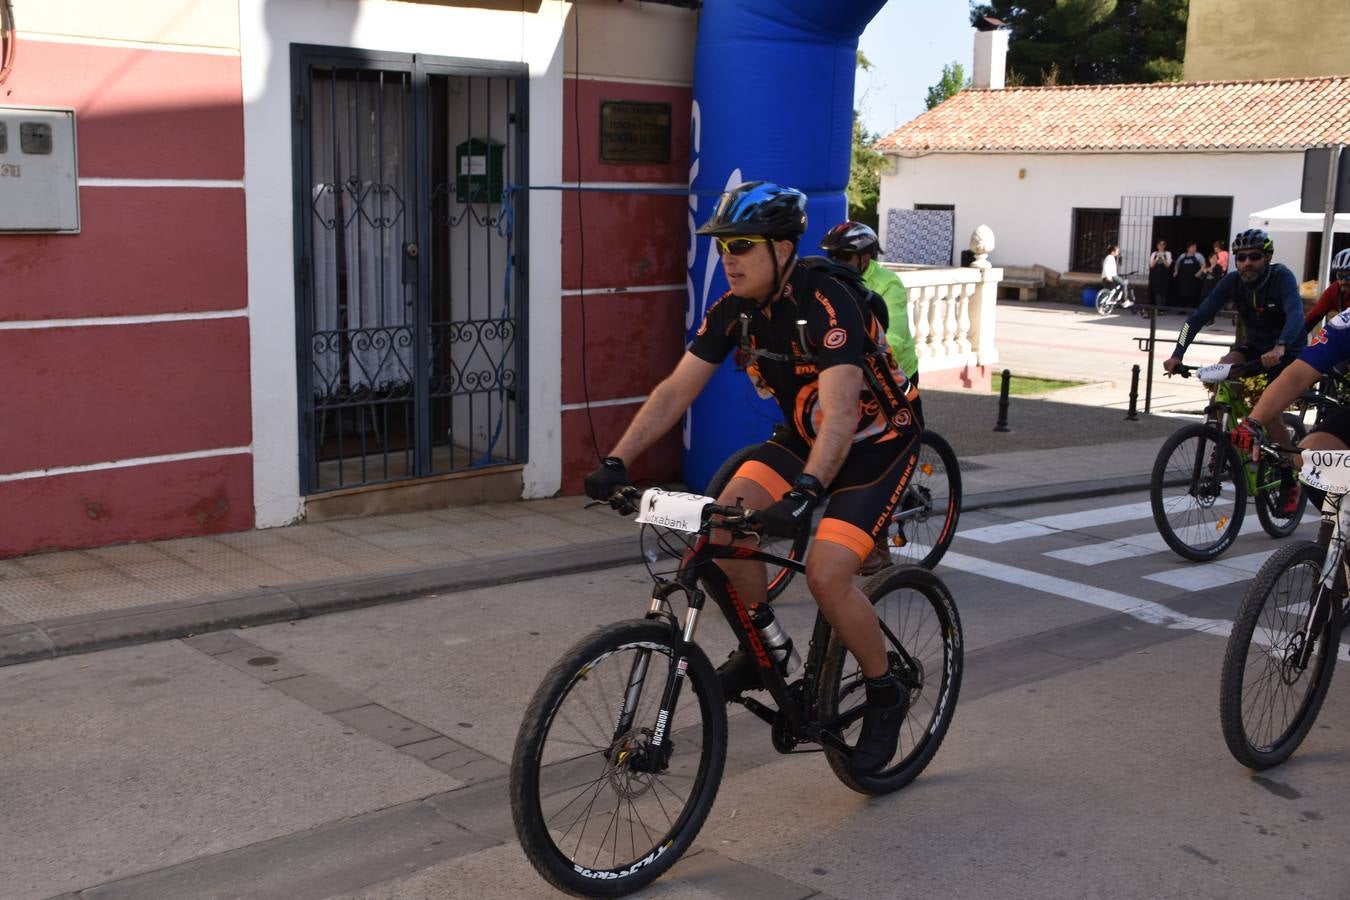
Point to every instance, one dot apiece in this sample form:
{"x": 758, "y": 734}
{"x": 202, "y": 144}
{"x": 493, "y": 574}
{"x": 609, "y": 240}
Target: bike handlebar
{"x": 1238, "y": 370}
{"x": 738, "y": 520}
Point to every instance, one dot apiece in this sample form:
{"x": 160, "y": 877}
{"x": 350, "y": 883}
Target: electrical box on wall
{"x": 39, "y": 187}
{"x": 478, "y": 171}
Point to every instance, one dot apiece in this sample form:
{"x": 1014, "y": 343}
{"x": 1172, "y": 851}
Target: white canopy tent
{"x": 1286, "y": 217}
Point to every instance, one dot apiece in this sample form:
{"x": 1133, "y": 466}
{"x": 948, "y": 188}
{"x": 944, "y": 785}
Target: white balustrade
{"x": 951, "y": 315}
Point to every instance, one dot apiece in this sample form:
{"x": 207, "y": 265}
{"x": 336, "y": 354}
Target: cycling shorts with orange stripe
{"x": 862, "y": 495}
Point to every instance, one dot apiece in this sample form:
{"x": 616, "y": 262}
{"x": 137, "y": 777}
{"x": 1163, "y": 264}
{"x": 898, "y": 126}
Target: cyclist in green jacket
{"x": 857, "y": 245}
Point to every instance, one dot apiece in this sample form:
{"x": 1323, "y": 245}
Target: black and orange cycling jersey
{"x": 836, "y": 331}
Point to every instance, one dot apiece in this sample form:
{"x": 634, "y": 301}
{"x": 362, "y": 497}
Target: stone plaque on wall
{"x": 634, "y": 132}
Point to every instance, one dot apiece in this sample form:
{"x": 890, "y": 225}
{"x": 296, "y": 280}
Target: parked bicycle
{"x": 1286, "y": 637}
{"x": 922, "y": 524}
{"x": 1200, "y": 483}
{"x": 1117, "y": 296}
{"x": 616, "y": 767}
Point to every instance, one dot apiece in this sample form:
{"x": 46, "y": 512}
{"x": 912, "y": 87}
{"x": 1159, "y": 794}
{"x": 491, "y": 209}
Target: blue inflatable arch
{"x": 772, "y": 101}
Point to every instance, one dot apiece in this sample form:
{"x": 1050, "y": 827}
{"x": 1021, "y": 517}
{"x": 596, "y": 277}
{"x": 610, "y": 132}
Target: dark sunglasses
{"x": 1342, "y": 275}
{"x": 737, "y": 246}
{"x": 842, "y": 255}
{"x": 1248, "y": 257}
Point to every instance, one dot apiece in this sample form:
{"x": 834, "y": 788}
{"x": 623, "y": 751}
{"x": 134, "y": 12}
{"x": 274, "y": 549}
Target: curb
{"x": 66, "y": 636}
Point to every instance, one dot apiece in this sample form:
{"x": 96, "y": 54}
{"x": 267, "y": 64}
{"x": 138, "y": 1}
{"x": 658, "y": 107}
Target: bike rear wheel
{"x": 793, "y": 548}
{"x": 1267, "y": 703}
{"x": 922, "y": 633}
{"x": 1198, "y": 491}
{"x": 924, "y": 521}
{"x": 1106, "y": 301}
{"x": 602, "y": 810}
{"x": 1269, "y": 501}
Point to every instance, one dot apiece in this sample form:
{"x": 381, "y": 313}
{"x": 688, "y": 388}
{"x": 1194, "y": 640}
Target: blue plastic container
{"x": 1090, "y": 296}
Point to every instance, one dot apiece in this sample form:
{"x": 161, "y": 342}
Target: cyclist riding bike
{"x": 857, "y": 245}
{"x": 1330, "y": 348}
{"x": 1336, "y": 298}
{"x": 808, "y": 337}
{"x": 1266, "y": 297}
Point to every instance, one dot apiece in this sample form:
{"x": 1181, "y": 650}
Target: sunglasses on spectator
{"x": 1248, "y": 257}
{"x": 738, "y": 246}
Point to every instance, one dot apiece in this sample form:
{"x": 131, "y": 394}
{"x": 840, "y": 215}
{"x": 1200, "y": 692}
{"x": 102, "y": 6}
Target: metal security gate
{"x": 1136, "y": 231}
{"x": 409, "y": 314}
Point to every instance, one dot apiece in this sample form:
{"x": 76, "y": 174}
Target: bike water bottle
{"x": 777, "y": 641}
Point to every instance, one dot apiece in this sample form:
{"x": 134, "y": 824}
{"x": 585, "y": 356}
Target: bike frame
{"x": 1331, "y": 537}
{"x": 798, "y": 712}
{"x": 1224, "y": 413}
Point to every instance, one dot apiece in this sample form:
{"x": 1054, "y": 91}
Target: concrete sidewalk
{"x": 53, "y": 604}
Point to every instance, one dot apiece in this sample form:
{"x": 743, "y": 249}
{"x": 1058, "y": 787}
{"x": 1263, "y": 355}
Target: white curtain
{"x": 360, "y": 194}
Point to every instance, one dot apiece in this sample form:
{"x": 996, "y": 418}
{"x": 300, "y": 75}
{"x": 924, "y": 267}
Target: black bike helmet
{"x": 848, "y": 238}
{"x": 1253, "y": 239}
{"x": 759, "y": 208}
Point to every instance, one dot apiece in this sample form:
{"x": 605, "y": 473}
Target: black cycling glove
{"x": 604, "y": 481}
{"x": 788, "y": 516}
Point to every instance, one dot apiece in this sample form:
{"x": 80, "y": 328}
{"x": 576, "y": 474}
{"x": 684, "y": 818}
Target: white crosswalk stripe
{"x": 1132, "y": 546}
{"x": 1087, "y": 518}
{"x": 1225, "y": 570}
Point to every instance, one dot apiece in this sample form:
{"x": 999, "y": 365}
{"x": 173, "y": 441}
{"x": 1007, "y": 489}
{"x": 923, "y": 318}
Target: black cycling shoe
{"x": 879, "y": 737}
{"x": 739, "y": 674}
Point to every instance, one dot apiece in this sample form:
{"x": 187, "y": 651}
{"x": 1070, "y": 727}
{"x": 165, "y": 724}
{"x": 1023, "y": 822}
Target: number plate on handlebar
{"x": 1214, "y": 373}
{"x": 672, "y": 509}
{"x": 1326, "y": 470}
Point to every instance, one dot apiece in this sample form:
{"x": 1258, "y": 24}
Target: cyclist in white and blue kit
{"x": 1329, "y": 349}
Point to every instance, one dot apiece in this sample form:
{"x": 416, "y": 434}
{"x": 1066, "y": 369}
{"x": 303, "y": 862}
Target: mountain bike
{"x": 922, "y": 524}
{"x": 616, "y": 765}
{"x": 1118, "y": 295}
{"x": 1285, "y": 640}
{"x": 1199, "y": 485}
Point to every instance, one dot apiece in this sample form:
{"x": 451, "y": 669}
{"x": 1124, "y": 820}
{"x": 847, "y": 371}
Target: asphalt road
{"x": 363, "y": 754}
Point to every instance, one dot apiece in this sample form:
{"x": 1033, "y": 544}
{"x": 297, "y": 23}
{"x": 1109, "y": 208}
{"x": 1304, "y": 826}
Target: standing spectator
{"x": 1215, "y": 268}
{"x": 1159, "y": 274}
{"x": 1187, "y": 270}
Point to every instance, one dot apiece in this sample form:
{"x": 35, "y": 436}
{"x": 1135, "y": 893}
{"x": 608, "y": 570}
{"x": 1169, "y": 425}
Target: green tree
{"x": 864, "y": 179}
{"x": 952, "y": 82}
{"x": 864, "y": 176}
{"x": 1091, "y": 41}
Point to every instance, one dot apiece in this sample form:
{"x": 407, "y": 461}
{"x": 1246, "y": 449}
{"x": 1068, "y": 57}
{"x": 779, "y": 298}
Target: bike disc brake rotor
{"x": 633, "y": 762}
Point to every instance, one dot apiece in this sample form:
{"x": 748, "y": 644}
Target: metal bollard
{"x": 1002, "y": 424}
{"x": 1133, "y": 414}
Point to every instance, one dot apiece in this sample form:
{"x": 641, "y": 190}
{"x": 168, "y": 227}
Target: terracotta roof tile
{"x": 1285, "y": 114}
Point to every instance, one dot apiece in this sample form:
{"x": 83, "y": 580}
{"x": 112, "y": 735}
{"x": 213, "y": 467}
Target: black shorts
{"x": 862, "y": 495}
{"x": 1337, "y": 425}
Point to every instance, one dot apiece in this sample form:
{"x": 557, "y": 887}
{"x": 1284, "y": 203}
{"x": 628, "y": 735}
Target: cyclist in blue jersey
{"x": 1330, "y": 348}
{"x": 1266, "y": 297}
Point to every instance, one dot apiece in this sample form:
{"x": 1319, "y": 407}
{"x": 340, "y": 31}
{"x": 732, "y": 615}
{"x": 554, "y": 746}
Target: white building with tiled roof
{"x": 1058, "y": 173}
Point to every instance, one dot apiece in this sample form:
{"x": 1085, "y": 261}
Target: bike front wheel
{"x": 603, "y": 809}
{"x": 1269, "y": 697}
{"x": 922, "y": 633}
{"x": 924, "y": 521}
{"x": 1270, "y": 495}
{"x": 1198, "y": 491}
